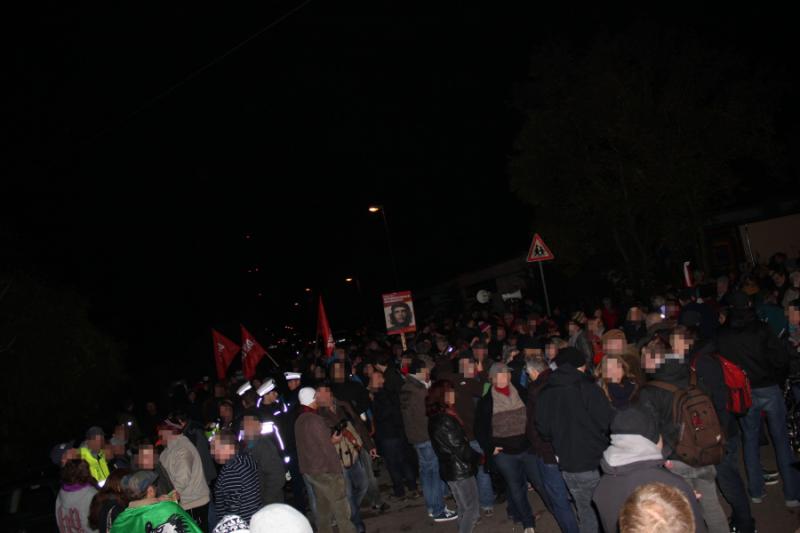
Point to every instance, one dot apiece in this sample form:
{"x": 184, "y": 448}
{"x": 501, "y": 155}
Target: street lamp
{"x": 349, "y": 280}
{"x": 382, "y": 210}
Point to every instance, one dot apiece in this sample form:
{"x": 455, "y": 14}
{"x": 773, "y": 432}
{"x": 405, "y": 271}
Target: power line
{"x": 174, "y": 87}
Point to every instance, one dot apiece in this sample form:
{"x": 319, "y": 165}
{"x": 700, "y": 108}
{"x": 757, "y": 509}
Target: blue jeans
{"x": 732, "y": 487}
{"x": 429, "y": 478}
{"x": 556, "y": 496}
{"x": 485, "y": 490}
{"x": 516, "y": 469}
{"x": 771, "y": 402}
{"x": 581, "y": 485}
{"x": 357, "y": 485}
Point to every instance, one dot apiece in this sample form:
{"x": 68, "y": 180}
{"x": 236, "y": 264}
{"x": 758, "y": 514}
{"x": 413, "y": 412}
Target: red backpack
{"x": 740, "y": 397}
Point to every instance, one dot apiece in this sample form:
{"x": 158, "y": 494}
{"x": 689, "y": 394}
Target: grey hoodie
{"x": 629, "y": 462}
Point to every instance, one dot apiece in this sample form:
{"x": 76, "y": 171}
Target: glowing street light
{"x": 308, "y": 289}
{"x": 374, "y": 208}
{"x": 349, "y": 280}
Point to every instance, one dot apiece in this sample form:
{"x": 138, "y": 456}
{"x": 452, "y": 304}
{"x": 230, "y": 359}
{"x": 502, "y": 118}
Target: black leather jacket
{"x": 457, "y": 460}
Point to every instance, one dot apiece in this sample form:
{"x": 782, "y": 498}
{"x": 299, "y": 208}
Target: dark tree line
{"x": 632, "y": 141}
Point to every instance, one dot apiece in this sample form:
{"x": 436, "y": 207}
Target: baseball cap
{"x": 95, "y": 431}
{"x": 138, "y": 482}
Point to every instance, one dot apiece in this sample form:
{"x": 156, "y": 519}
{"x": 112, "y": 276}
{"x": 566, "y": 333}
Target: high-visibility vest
{"x": 97, "y": 465}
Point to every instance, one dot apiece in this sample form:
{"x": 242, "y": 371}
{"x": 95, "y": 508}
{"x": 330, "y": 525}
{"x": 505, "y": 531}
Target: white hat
{"x": 267, "y": 386}
{"x": 292, "y": 375}
{"x": 279, "y": 517}
{"x": 231, "y": 523}
{"x": 307, "y": 395}
{"x": 246, "y": 386}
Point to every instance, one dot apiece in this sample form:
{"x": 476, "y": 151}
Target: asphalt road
{"x": 772, "y": 516}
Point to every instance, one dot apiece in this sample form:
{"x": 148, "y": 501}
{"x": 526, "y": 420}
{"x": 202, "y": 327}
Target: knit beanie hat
{"x": 498, "y": 368}
{"x": 570, "y": 356}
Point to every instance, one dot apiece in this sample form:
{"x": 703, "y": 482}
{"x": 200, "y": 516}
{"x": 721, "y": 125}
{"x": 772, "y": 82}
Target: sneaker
{"x": 446, "y": 516}
{"x": 488, "y": 512}
{"x": 529, "y": 530}
{"x": 757, "y": 499}
{"x": 771, "y": 477}
{"x": 382, "y": 508}
{"x": 792, "y": 503}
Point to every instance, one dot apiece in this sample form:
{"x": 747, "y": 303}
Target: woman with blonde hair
{"x": 617, "y": 381}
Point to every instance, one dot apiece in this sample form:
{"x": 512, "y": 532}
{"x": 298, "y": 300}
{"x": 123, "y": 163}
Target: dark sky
{"x": 139, "y": 192}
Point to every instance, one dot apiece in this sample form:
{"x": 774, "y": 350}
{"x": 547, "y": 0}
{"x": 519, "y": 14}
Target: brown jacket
{"x": 468, "y": 392}
{"x": 315, "y": 451}
{"x": 344, "y": 411}
{"x": 412, "y": 405}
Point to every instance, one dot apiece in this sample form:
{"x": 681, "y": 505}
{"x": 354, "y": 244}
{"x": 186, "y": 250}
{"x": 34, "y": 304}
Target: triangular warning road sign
{"x": 539, "y": 251}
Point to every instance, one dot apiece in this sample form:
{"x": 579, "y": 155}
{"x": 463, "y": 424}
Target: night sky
{"x": 136, "y": 177}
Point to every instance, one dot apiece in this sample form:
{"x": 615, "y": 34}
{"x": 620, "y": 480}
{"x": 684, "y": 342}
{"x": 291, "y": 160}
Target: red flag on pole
{"x": 224, "y": 352}
{"x": 324, "y": 329}
{"x": 252, "y": 353}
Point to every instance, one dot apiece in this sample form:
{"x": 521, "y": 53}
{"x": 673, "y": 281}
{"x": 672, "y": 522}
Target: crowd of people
{"x": 624, "y": 417}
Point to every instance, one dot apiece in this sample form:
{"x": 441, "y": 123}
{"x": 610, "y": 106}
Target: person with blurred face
{"x": 237, "y": 490}
{"x": 292, "y": 380}
{"x": 634, "y": 326}
{"x": 468, "y": 385}
{"x": 337, "y": 414}
{"x": 554, "y": 490}
{"x": 321, "y": 466}
{"x": 500, "y": 422}
{"x": 390, "y": 437}
{"x": 457, "y": 460}
{"x": 271, "y": 467}
{"x": 664, "y": 361}
{"x": 574, "y": 415}
{"x": 182, "y": 463}
{"x": 92, "y": 451}
{"x": 226, "y": 415}
{"x": 415, "y": 421}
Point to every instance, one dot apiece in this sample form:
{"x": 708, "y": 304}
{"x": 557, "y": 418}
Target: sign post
{"x": 539, "y": 253}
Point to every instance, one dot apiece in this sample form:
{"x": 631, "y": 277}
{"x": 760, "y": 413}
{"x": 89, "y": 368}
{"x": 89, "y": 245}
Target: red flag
{"x": 224, "y": 352}
{"x": 252, "y": 353}
{"x": 324, "y": 329}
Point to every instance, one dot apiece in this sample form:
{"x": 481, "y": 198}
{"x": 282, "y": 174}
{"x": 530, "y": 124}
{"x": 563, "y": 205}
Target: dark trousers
{"x": 298, "y": 485}
{"x": 396, "y": 455}
{"x": 732, "y": 488}
{"x": 200, "y": 516}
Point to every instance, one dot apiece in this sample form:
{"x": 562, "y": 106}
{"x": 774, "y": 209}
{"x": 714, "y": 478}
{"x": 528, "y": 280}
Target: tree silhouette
{"x": 631, "y": 142}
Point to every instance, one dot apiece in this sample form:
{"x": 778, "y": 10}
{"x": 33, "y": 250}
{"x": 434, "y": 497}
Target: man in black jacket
{"x": 711, "y": 380}
{"x": 750, "y": 344}
{"x": 574, "y": 414}
{"x": 271, "y": 468}
{"x": 390, "y": 437}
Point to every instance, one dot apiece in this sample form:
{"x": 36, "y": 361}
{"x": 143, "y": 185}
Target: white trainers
{"x": 529, "y": 530}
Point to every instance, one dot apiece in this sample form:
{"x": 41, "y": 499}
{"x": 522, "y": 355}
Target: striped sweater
{"x": 237, "y": 490}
